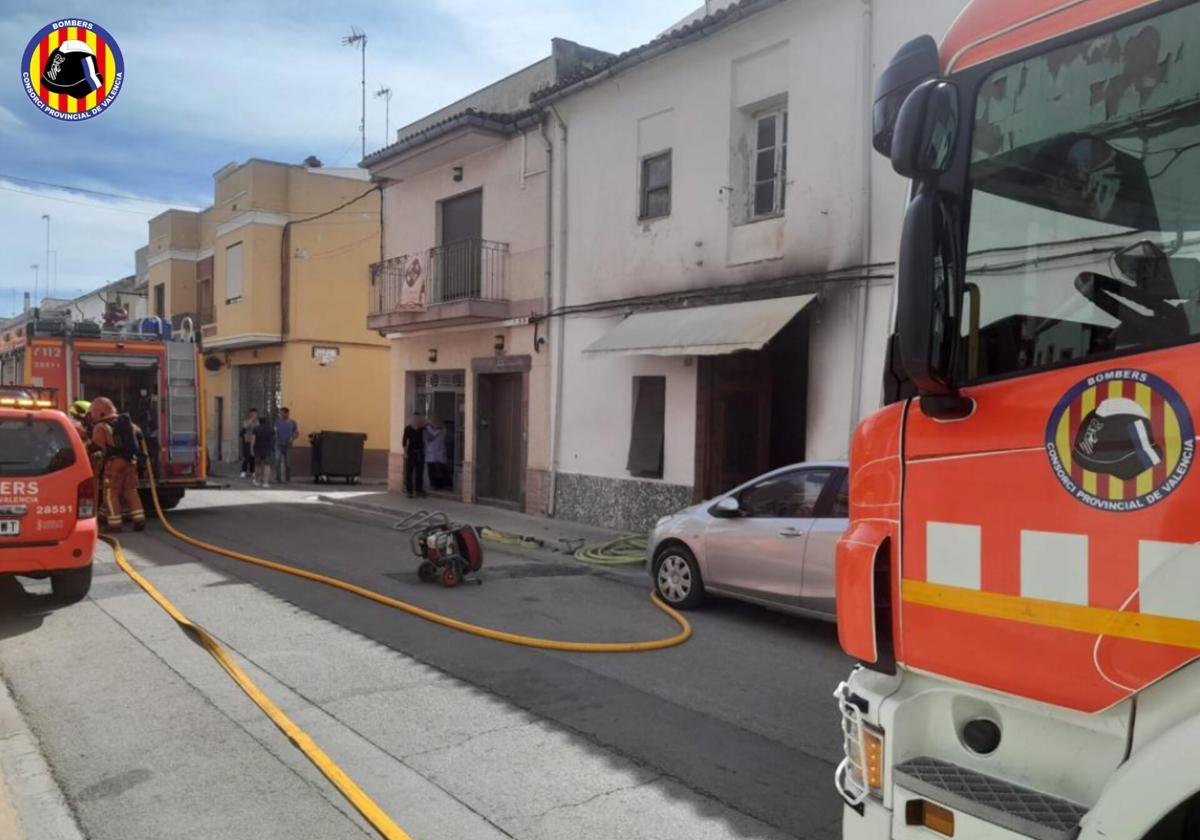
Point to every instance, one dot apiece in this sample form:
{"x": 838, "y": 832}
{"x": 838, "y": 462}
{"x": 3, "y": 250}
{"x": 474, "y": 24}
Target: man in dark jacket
{"x": 263, "y": 445}
{"x": 414, "y": 456}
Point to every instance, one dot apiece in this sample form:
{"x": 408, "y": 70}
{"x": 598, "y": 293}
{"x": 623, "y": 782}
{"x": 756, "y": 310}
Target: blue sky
{"x": 213, "y": 81}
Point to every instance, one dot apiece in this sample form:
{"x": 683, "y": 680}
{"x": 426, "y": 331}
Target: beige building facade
{"x": 464, "y": 270}
{"x": 273, "y": 277}
{"x": 464, "y": 283}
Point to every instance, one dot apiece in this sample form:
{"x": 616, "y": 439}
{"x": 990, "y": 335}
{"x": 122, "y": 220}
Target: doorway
{"x": 220, "y": 427}
{"x": 259, "y": 387}
{"x": 499, "y": 438}
{"x": 751, "y": 411}
{"x": 441, "y": 394}
{"x": 457, "y": 260}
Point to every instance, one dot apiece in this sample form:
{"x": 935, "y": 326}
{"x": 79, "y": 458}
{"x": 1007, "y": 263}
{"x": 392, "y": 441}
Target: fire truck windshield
{"x": 1084, "y": 237}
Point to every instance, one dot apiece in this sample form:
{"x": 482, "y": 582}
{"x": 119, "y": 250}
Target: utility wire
{"x": 145, "y": 214}
{"x": 21, "y": 179}
{"x": 343, "y": 205}
{"x": 106, "y": 194}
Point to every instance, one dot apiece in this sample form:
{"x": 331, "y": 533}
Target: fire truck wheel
{"x": 677, "y": 577}
{"x": 72, "y": 585}
{"x": 426, "y": 572}
{"x": 450, "y": 577}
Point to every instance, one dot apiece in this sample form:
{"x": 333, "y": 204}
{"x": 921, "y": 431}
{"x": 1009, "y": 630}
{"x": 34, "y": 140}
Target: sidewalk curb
{"x": 41, "y": 809}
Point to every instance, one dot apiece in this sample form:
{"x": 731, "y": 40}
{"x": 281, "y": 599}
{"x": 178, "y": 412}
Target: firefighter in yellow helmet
{"x": 117, "y": 437}
{"x": 78, "y": 412}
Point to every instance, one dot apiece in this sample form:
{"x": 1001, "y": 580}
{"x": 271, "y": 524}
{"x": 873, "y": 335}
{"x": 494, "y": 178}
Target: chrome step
{"x": 1016, "y": 808}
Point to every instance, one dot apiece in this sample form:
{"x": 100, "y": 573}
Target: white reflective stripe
{"x": 89, "y": 69}
{"x": 1054, "y": 566}
{"x": 953, "y": 554}
{"x": 1169, "y": 577}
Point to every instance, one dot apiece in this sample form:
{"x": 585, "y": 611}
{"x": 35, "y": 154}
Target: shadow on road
{"x": 20, "y": 611}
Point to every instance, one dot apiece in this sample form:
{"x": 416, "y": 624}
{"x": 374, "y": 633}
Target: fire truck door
{"x": 1041, "y": 533}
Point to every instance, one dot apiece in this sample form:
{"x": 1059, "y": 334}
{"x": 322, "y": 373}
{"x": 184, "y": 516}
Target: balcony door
{"x": 458, "y": 256}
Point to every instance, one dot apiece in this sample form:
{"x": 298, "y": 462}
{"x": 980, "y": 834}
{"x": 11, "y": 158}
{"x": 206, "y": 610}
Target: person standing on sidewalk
{"x": 435, "y": 453}
{"x": 414, "y": 456}
{"x": 248, "y": 427}
{"x": 262, "y": 443}
{"x": 286, "y": 431}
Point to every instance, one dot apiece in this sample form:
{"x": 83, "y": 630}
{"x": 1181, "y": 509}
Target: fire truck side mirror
{"x": 913, "y": 63}
{"x": 928, "y": 303}
{"x": 926, "y": 130}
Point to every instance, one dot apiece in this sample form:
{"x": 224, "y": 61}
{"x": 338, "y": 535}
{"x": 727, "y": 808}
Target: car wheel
{"x": 72, "y": 585}
{"x": 677, "y": 578}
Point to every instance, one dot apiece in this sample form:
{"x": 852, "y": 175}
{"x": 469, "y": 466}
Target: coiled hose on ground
{"x": 378, "y": 818}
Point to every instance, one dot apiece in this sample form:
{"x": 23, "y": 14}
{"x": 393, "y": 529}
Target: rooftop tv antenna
{"x": 360, "y": 38}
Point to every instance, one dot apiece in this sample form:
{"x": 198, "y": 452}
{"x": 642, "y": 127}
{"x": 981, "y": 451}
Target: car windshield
{"x": 1085, "y": 207}
{"x": 30, "y": 447}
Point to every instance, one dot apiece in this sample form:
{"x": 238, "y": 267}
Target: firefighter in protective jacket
{"x": 117, "y": 437}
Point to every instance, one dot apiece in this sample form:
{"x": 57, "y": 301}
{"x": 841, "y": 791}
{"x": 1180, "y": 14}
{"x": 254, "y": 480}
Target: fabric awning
{"x": 701, "y": 330}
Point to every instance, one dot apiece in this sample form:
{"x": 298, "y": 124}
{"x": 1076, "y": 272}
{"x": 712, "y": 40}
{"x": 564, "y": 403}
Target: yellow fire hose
{"x": 353, "y": 793}
{"x": 625, "y": 551}
{"x": 366, "y": 806}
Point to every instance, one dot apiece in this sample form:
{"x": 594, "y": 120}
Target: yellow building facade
{"x": 274, "y": 279}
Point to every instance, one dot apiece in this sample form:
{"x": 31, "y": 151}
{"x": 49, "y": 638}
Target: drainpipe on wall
{"x": 560, "y": 328}
{"x": 547, "y": 300}
{"x": 860, "y": 322}
{"x": 285, "y": 280}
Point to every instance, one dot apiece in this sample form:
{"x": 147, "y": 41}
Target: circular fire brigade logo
{"x": 1121, "y": 440}
{"x": 72, "y": 70}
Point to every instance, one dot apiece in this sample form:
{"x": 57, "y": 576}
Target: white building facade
{"x": 722, "y": 240}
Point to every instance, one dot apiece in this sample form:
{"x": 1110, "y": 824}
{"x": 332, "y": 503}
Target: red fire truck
{"x": 1020, "y": 580}
{"x": 145, "y": 370}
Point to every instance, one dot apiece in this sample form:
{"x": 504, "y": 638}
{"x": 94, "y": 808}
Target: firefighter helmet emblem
{"x": 72, "y": 69}
{"x": 1120, "y": 440}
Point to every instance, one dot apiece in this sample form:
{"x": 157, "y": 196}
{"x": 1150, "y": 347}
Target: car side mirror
{"x": 913, "y": 63}
{"x": 926, "y": 130}
{"x": 727, "y": 507}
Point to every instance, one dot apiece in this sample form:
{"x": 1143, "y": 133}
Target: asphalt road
{"x": 741, "y": 716}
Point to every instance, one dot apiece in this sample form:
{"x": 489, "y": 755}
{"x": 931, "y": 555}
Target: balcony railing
{"x": 470, "y": 269}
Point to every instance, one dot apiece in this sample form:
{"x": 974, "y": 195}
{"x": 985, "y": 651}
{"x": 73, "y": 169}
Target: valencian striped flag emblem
{"x": 1120, "y": 440}
{"x": 72, "y": 69}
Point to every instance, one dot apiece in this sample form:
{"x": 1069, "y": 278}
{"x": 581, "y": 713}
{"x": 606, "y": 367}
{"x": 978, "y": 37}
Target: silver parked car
{"x": 770, "y": 541}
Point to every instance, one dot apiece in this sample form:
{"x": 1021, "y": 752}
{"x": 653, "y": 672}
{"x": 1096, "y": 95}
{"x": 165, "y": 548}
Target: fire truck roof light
{"x": 13, "y": 402}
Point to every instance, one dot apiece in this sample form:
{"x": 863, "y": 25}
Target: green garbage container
{"x": 337, "y": 455}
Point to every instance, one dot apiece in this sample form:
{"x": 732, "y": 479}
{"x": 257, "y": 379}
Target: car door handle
{"x": 791, "y": 532}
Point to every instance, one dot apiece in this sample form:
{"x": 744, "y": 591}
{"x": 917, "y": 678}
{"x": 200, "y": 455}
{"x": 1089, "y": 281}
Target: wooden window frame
{"x": 779, "y": 171}
{"x": 645, "y": 189}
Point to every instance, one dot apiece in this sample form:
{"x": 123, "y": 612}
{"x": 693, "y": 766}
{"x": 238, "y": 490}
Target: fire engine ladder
{"x": 183, "y": 411}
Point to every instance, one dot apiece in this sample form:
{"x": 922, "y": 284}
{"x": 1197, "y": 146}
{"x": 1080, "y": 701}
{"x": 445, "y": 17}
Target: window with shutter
{"x": 233, "y": 273}
{"x": 656, "y": 186}
{"x": 647, "y": 431}
{"x": 768, "y": 176}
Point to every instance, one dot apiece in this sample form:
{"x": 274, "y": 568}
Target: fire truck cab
{"x": 1020, "y": 580}
{"x": 146, "y": 370}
